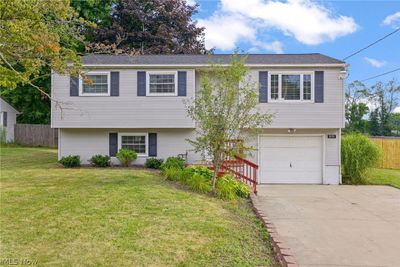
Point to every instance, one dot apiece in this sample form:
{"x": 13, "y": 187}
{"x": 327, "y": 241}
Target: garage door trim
{"x": 288, "y": 135}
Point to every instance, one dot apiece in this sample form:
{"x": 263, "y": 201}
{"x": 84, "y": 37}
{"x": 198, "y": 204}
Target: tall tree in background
{"x": 150, "y": 27}
{"x": 36, "y": 36}
{"x": 385, "y": 98}
{"x": 356, "y": 107}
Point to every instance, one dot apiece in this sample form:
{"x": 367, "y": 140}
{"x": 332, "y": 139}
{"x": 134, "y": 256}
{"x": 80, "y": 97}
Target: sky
{"x": 334, "y": 28}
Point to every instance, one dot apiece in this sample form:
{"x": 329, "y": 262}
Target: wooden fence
{"x": 36, "y": 135}
{"x": 391, "y": 152}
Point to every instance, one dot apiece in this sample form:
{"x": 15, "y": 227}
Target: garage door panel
{"x": 291, "y": 159}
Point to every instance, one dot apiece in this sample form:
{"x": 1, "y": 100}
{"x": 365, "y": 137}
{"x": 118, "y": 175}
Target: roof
{"x": 2, "y": 102}
{"x": 257, "y": 59}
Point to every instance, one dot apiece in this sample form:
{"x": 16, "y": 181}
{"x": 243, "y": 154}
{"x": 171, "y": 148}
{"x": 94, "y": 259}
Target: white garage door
{"x": 291, "y": 159}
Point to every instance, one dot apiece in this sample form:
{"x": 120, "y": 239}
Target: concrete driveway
{"x": 335, "y": 225}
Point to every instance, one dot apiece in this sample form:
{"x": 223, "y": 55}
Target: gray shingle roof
{"x": 273, "y": 59}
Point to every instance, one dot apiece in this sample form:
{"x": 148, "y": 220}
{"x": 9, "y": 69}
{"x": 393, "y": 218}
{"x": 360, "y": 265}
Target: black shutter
{"x": 114, "y": 84}
{"x": 152, "y": 145}
{"x": 5, "y": 119}
{"x": 113, "y": 144}
{"x": 181, "y": 83}
{"x": 73, "y": 86}
{"x": 263, "y": 80}
{"x": 141, "y": 83}
{"x": 319, "y": 87}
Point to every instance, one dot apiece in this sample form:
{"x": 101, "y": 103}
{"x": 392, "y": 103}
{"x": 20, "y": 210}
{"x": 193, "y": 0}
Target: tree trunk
{"x": 216, "y": 171}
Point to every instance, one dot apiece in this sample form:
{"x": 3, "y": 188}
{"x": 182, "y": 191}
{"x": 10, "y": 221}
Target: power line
{"x": 368, "y": 46}
{"x": 381, "y": 74}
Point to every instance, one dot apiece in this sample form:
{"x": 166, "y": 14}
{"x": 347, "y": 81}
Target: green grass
{"x": 118, "y": 217}
{"x": 383, "y": 177}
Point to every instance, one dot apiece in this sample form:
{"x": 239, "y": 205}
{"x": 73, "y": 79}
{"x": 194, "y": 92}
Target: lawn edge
{"x": 280, "y": 250}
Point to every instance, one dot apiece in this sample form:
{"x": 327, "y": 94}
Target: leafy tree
{"x": 356, "y": 107}
{"x": 385, "y": 98}
{"x": 225, "y": 109}
{"x": 374, "y": 125}
{"x": 394, "y": 122}
{"x": 36, "y": 34}
{"x": 32, "y": 103}
{"x": 150, "y": 27}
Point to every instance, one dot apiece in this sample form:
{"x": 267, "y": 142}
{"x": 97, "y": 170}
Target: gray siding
{"x": 329, "y": 114}
{"x": 11, "y": 119}
{"x": 124, "y": 111}
{"x": 88, "y": 142}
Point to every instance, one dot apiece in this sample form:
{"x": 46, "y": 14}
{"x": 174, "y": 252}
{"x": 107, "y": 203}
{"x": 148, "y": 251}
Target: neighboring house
{"x": 138, "y": 102}
{"x": 8, "y": 119}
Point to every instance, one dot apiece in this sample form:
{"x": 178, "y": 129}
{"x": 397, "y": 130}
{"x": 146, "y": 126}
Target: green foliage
{"x": 225, "y": 108}
{"x": 33, "y": 104}
{"x": 3, "y": 135}
{"x": 242, "y": 190}
{"x": 202, "y": 170}
{"x": 70, "y": 161}
{"x": 226, "y": 187}
{"x": 100, "y": 161}
{"x": 358, "y": 154}
{"x": 172, "y": 174}
{"x": 355, "y": 107}
{"x": 153, "y": 163}
{"x": 37, "y": 34}
{"x": 173, "y": 162}
{"x": 199, "y": 183}
{"x": 148, "y": 27}
{"x": 126, "y": 156}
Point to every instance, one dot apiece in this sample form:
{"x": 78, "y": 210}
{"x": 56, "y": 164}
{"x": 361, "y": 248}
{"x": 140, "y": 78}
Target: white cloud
{"x": 224, "y": 31}
{"x": 393, "y": 20}
{"x": 397, "y": 110}
{"x": 309, "y": 22}
{"x": 375, "y": 63}
{"x": 191, "y": 2}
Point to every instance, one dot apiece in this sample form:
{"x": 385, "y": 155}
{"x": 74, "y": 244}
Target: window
{"x": 99, "y": 84}
{"x": 291, "y": 87}
{"x": 4, "y": 119}
{"x": 307, "y": 87}
{"x": 162, "y": 83}
{"x": 274, "y": 86}
{"x": 137, "y": 142}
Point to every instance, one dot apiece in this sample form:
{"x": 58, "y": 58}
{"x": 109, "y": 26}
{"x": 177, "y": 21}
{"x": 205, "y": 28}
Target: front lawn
{"x": 383, "y": 177}
{"x": 117, "y": 217}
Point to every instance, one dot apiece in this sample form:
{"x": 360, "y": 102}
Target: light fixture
{"x": 291, "y": 130}
{"x": 343, "y": 73}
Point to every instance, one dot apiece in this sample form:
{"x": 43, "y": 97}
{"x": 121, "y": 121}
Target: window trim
{"x": 108, "y": 73}
{"x": 148, "y": 73}
{"x": 135, "y": 134}
{"x": 280, "y": 99}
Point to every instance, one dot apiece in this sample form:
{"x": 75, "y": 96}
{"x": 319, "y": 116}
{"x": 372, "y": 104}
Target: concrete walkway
{"x": 335, "y": 225}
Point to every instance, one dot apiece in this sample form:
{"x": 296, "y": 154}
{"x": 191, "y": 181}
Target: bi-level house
{"x": 137, "y": 102}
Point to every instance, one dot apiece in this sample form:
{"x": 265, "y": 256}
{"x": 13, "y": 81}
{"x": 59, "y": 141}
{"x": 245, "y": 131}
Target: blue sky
{"x": 334, "y": 28}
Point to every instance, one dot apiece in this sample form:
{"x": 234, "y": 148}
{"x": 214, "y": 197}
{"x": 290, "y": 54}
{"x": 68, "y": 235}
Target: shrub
{"x": 226, "y": 187}
{"x": 126, "y": 156}
{"x": 202, "y": 170}
{"x": 70, "y": 161}
{"x": 199, "y": 183}
{"x": 100, "y": 160}
{"x": 242, "y": 190}
{"x": 153, "y": 163}
{"x": 358, "y": 154}
{"x": 173, "y": 162}
{"x": 172, "y": 174}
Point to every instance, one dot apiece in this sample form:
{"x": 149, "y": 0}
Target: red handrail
{"x": 242, "y": 169}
